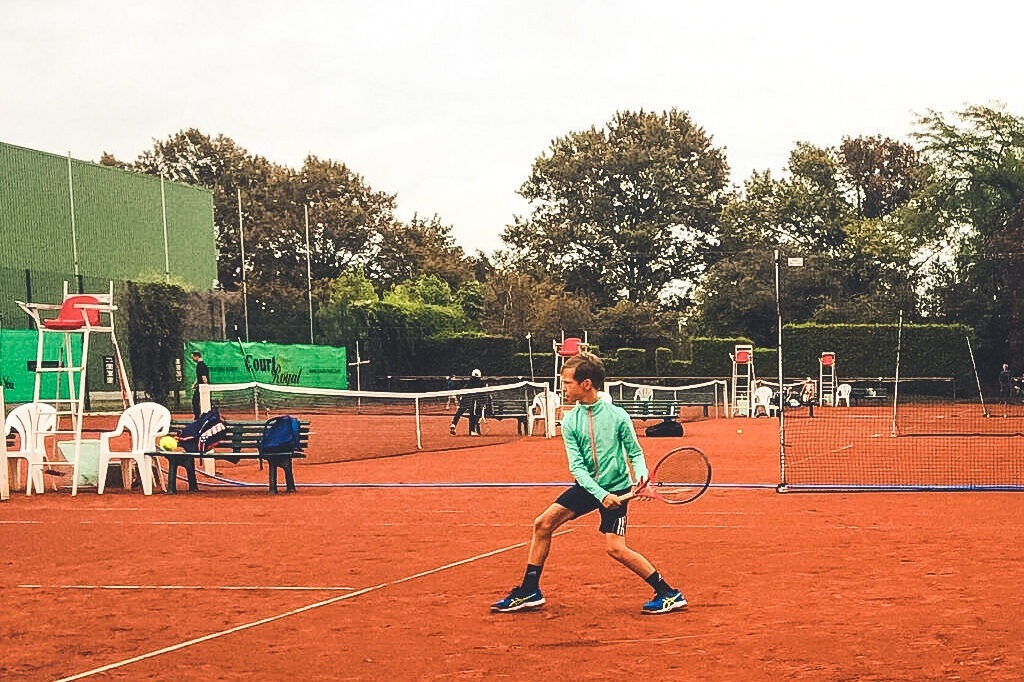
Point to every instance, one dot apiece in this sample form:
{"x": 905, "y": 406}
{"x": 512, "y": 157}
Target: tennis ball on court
{"x": 739, "y": 430}
{"x": 167, "y": 443}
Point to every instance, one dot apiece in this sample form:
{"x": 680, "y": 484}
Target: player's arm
{"x": 574, "y": 450}
{"x": 635, "y": 454}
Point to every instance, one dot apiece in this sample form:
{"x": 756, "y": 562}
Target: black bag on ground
{"x": 669, "y": 428}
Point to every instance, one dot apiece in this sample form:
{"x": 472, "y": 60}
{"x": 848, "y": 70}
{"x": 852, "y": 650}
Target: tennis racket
{"x": 681, "y": 476}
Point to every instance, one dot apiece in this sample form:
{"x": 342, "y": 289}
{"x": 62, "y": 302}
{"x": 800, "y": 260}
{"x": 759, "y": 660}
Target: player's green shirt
{"x": 599, "y": 438}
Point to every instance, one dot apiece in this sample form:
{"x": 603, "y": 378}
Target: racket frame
{"x": 649, "y": 489}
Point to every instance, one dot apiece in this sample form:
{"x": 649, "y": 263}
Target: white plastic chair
{"x": 644, "y": 394}
{"x": 539, "y": 410}
{"x": 33, "y": 422}
{"x": 145, "y": 422}
{"x": 763, "y": 399}
{"x": 843, "y": 393}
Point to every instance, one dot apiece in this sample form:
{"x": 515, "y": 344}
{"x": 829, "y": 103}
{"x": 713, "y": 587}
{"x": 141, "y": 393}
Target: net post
{"x": 205, "y": 403}
{"x": 419, "y": 428}
{"x": 5, "y": 484}
{"x": 550, "y": 412}
{"x": 782, "y": 407}
{"x": 896, "y": 383}
{"x": 204, "y": 398}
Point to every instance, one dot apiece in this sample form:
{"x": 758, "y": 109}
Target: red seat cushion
{"x": 73, "y": 317}
{"x": 570, "y": 347}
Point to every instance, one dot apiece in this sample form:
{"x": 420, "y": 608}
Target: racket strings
{"x": 681, "y": 475}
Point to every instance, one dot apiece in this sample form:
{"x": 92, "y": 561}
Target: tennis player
{"x": 599, "y": 437}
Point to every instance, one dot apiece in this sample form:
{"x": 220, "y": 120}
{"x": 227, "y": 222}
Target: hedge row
{"x": 862, "y": 350}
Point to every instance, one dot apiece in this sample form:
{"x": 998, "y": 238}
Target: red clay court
{"x": 394, "y": 582}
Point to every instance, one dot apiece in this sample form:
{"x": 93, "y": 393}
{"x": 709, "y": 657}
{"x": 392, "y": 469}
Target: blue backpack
{"x": 280, "y": 434}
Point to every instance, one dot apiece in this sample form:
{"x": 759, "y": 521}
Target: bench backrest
{"x": 499, "y": 407}
{"x": 242, "y": 436}
{"x": 649, "y": 406}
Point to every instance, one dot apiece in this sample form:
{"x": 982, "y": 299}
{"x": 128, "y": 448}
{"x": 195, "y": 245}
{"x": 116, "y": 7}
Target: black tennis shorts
{"x": 577, "y": 499}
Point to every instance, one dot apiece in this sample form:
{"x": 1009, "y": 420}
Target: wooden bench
{"x": 510, "y": 409}
{"x": 666, "y": 410}
{"x": 869, "y": 394}
{"x": 241, "y": 441}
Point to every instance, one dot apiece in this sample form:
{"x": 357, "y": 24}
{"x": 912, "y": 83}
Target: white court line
{"x": 283, "y": 588}
{"x": 680, "y": 525}
{"x": 301, "y": 609}
{"x": 185, "y": 523}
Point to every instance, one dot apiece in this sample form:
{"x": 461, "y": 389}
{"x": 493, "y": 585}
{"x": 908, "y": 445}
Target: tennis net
{"x": 705, "y": 399}
{"x": 350, "y": 425}
{"x": 907, "y": 434}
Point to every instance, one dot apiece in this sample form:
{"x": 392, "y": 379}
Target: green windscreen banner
{"x": 18, "y": 348}
{"x": 236, "y": 362}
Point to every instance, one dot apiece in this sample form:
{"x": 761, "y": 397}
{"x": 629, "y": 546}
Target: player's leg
{"x": 613, "y": 526}
{"x": 527, "y": 594}
{"x": 574, "y": 502}
{"x": 457, "y": 417}
{"x": 544, "y": 527}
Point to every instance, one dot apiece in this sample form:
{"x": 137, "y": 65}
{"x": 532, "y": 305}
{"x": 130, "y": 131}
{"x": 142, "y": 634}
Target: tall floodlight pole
{"x": 529, "y": 348}
{"x": 74, "y": 228}
{"x": 309, "y": 274}
{"x": 241, "y": 244}
{"x": 163, "y": 215}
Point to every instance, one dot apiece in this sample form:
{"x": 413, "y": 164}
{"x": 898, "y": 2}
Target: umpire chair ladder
{"x": 743, "y": 378}
{"x": 827, "y": 379}
{"x": 79, "y": 315}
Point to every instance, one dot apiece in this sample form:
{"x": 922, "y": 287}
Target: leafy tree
{"x": 405, "y": 251}
{"x": 426, "y": 289}
{"x": 975, "y": 198}
{"x": 350, "y": 226}
{"x": 338, "y": 324}
{"x": 883, "y": 174}
{"x": 858, "y": 268}
{"x": 346, "y": 220}
{"x": 636, "y": 325}
{"x": 155, "y": 318}
{"x": 621, "y": 212}
{"x": 221, "y": 165}
{"x": 517, "y": 302}
{"x": 470, "y": 297}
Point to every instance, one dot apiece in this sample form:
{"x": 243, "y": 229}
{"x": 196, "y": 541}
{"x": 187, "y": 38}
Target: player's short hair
{"x": 586, "y": 366}
{"x": 196, "y": 354}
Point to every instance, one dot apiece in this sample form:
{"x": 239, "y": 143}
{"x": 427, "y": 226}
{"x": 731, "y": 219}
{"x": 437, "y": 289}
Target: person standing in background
{"x": 202, "y": 377}
{"x": 471, "y": 405}
{"x": 1005, "y": 382}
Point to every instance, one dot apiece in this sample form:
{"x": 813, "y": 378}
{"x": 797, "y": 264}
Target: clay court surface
{"x": 394, "y": 583}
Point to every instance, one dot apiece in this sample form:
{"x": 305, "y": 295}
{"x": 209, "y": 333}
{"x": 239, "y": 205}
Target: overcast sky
{"x": 446, "y": 104}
